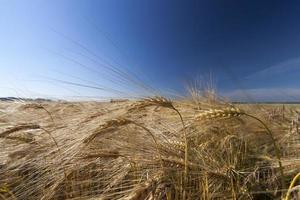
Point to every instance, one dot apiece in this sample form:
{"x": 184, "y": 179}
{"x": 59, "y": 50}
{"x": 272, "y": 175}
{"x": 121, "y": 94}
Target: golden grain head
{"x": 152, "y": 101}
{"x": 116, "y": 122}
{"x": 219, "y": 113}
{"x": 157, "y": 100}
{"x": 111, "y": 123}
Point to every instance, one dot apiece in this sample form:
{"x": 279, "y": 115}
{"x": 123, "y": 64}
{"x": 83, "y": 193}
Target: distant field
{"x": 144, "y": 150}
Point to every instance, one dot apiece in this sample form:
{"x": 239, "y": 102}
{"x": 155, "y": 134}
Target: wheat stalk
{"x": 38, "y": 106}
{"x": 230, "y": 112}
{"x": 291, "y": 186}
{"x": 167, "y": 103}
{"x": 164, "y": 102}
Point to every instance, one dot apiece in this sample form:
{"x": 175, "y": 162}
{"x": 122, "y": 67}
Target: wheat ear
{"x": 122, "y": 122}
{"x": 219, "y": 113}
{"x": 153, "y": 101}
{"x": 111, "y": 123}
{"x": 236, "y": 112}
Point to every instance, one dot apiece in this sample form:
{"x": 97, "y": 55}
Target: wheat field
{"x": 152, "y": 148}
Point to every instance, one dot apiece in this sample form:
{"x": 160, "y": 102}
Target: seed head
{"x": 219, "y": 113}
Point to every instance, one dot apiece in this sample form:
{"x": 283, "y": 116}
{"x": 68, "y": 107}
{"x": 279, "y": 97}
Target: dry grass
{"x": 153, "y": 148}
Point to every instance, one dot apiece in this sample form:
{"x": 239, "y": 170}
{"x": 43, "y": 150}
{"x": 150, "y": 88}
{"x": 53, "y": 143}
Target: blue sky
{"x": 249, "y": 47}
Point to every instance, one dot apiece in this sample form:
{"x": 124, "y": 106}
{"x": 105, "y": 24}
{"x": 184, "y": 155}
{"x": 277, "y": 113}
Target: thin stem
{"x": 291, "y": 186}
{"x": 276, "y": 147}
{"x": 186, "y": 141}
{"x": 155, "y": 141}
{"x": 59, "y": 151}
{"x": 186, "y": 149}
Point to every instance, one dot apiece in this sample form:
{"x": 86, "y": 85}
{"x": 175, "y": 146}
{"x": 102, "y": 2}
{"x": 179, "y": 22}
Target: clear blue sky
{"x": 250, "y": 47}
